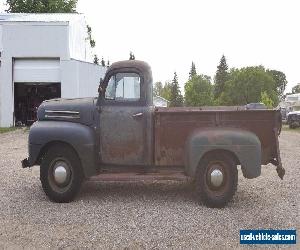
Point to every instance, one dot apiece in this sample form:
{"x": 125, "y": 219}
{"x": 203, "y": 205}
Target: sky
{"x": 170, "y": 34}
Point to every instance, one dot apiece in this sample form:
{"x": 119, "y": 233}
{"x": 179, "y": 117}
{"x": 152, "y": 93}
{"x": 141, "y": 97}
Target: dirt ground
{"x": 141, "y": 215}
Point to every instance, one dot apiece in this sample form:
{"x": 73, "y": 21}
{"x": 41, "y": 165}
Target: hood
{"x": 80, "y": 110}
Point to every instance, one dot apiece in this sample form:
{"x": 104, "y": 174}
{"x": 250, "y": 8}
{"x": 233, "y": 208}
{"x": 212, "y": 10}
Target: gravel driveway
{"x": 140, "y": 215}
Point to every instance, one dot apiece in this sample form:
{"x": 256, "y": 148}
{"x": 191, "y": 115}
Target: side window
{"x": 124, "y": 87}
{"x": 110, "y": 92}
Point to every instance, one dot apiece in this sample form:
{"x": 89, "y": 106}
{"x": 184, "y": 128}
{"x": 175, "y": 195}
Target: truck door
{"x": 123, "y": 121}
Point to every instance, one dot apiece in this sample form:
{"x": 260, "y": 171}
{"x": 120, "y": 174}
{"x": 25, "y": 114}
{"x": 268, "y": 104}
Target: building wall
{"x": 80, "y": 79}
{"x": 0, "y": 37}
{"x": 159, "y": 101}
{"x": 79, "y": 44}
{"x": 0, "y": 69}
{"x": 6, "y": 93}
{"x": 36, "y": 40}
{"x": 27, "y": 40}
{"x": 61, "y": 40}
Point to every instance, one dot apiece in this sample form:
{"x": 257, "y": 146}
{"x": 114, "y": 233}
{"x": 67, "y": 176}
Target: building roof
{"x": 293, "y": 95}
{"x": 160, "y": 98}
{"x": 44, "y": 17}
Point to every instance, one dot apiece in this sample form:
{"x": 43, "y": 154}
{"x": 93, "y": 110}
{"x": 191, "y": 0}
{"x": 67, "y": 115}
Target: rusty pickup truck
{"x": 120, "y": 135}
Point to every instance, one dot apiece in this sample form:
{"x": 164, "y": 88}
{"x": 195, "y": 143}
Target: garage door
{"x": 37, "y": 70}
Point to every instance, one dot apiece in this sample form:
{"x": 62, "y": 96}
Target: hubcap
{"x": 61, "y": 173}
{"x": 216, "y": 178}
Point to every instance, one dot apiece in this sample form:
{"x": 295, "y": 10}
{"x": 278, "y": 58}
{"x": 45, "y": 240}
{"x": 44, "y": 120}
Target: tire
{"x": 63, "y": 161}
{"x": 216, "y": 191}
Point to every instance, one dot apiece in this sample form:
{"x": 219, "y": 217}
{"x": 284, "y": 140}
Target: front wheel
{"x": 216, "y": 179}
{"x": 60, "y": 173}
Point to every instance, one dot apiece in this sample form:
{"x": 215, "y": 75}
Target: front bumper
{"x": 280, "y": 171}
{"x": 25, "y": 163}
{"x": 34, "y": 151}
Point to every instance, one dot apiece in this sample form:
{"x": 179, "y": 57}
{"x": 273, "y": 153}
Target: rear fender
{"x": 244, "y": 145}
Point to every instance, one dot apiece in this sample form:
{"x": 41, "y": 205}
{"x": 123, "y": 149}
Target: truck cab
{"x": 121, "y": 134}
{"x": 126, "y": 115}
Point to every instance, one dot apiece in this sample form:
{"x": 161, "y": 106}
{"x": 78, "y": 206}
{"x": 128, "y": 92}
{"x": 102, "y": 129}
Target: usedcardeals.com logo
{"x": 265, "y": 236}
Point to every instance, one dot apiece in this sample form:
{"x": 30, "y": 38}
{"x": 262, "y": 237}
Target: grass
{"x": 286, "y": 128}
{"x": 5, "y": 130}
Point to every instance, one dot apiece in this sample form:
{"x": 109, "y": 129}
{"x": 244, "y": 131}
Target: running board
{"x": 159, "y": 176}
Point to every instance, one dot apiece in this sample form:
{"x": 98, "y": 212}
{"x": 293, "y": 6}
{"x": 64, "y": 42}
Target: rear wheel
{"x": 61, "y": 175}
{"x": 216, "y": 179}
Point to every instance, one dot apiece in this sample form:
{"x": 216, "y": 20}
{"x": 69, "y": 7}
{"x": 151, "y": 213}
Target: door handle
{"x": 137, "y": 115}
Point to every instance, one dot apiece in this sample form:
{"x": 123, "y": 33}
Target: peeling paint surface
{"x": 173, "y": 127}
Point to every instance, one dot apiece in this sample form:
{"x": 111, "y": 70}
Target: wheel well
{"x": 223, "y": 151}
{"x": 52, "y": 144}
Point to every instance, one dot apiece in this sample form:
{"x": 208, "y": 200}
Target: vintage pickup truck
{"x": 121, "y": 134}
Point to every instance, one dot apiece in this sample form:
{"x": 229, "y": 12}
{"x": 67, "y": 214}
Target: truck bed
{"x": 173, "y": 126}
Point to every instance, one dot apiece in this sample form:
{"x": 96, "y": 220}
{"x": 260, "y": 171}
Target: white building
{"x": 293, "y": 98}
{"x": 43, "y": 56}
{"x": 159, "y": 101}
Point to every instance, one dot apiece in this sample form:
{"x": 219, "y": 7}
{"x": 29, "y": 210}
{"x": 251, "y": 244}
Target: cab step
{"x": 156, "y": 176}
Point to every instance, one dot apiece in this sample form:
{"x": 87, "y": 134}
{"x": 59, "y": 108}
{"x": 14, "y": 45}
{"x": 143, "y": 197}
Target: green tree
{"x": 245, "y": 85}
{"x": 90, "y": 38}
{"x": 265, "y": 99}
{"x": 280, "y": 80}
{"x": 296, "y": 89}
{"x": 199, "y": 91}
{"x": 158, "y": 89}
{"x": 176, "y": 99}
{"x": 131, "y": 56}
{"x": 166, "y": 91}
{"x": 102, "y": 62}
{"x": 108, "y": 63}
{"x": 96, "y": 60}
{"x": 41, "y": 6}
{"x": 163, "y": 90}
{"x": 221, "y": 77}
{"x": 193, "y": 71}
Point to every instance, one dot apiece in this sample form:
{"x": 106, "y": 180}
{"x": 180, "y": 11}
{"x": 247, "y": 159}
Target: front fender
{"x": 243, "y": 144}
{"x": 78, "y": 136}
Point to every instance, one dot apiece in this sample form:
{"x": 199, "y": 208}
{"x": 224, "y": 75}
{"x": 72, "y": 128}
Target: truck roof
{"x": 139, "y": 65}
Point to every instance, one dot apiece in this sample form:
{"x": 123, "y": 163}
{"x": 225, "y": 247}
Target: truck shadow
{"x": 138, "y": 190}
{"x": 161, "y": 191}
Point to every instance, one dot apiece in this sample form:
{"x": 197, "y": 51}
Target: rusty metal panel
{"x": 173, "y": 126}
{"x": 260, "y": 122}
{"x": 171, "y": 132}
{"x": 124, "y": 138}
